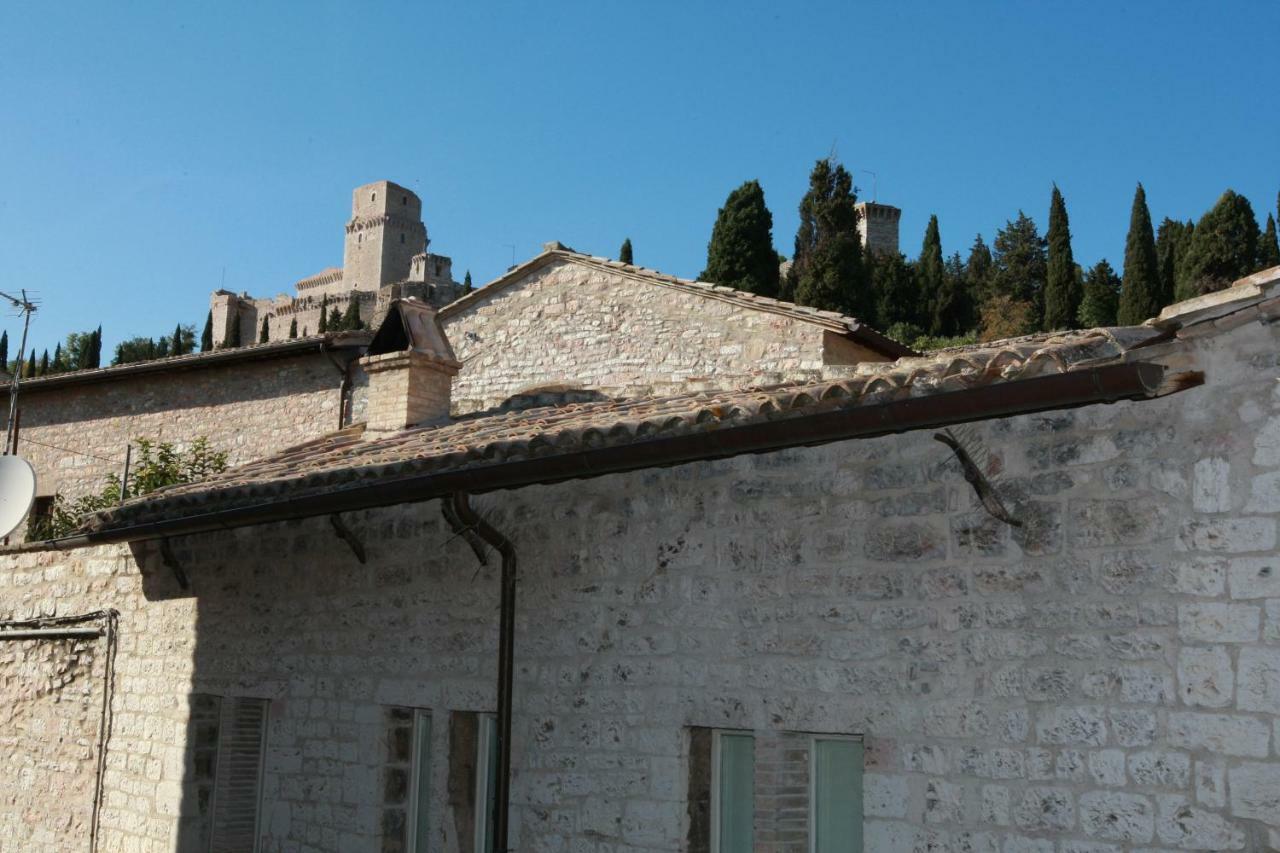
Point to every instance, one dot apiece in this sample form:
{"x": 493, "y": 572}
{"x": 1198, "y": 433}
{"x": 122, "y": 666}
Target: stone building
{"x": 878, "y": 227}
{"x": 384, "y": 257}
{"x": 727, "y": 616}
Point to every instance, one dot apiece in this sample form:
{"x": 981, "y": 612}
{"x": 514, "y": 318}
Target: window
{"x": 373, "y": 197}
{"x": 406, "y": 783}
{"x": 835, "y": 795}
{"x": 486, "y": 781}
{"x": 732, "y": 791}
{"x": 232, "y": 742}
{"x": 404, "y": 199}
{"x": 809, "y": 795}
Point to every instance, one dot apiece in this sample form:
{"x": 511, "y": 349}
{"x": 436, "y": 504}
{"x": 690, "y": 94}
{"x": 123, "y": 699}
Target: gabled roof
{"x": 347, "y": 470}
{"x": 831, "y": 320}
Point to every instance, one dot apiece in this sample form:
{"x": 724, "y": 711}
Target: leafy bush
{"x": 153, "y": 466}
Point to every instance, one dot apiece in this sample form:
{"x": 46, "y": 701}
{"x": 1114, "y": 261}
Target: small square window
{"x": 404, "y": 199}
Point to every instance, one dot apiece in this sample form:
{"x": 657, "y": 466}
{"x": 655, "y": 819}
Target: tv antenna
{"x": 875, "y": 180}
{"x": 26, "y": 308}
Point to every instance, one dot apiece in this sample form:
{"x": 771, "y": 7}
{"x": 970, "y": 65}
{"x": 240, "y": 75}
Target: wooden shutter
{"x": 238, "y": 779}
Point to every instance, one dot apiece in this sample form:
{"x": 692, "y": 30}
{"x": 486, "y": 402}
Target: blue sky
{"x": 146, "y": 148}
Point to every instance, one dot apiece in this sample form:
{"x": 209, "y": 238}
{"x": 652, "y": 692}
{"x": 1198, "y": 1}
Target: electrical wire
{"x": 28, "y": 440}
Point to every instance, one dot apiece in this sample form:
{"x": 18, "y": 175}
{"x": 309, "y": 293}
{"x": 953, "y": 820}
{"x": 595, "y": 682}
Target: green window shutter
{"x": 421, "y": 780}
{"x": 486, "y": 782}
{"x": 734, "y": 795}
{"x": 237, "y": 788}
{"x": 837, "y": 796}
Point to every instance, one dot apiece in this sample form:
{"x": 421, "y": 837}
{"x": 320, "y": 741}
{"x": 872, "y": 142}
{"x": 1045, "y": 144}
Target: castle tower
{"x": 878, "y": 227}
{"x": 383, "y": 236}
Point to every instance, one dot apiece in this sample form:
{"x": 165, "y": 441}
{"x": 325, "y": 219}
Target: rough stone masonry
{"x": 1104, "y": 679}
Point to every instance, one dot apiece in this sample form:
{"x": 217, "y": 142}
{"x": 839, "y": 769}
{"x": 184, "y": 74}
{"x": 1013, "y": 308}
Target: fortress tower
{"x": 878, "y": 227}
{"x": 383, "y": 236}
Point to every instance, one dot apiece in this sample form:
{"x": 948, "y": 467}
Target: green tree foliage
{"x": 183, "y": 340}
{"x": 1268, "y": 247}
{"x": 624, "y": 254}
{"x": 1062, "y": 287}
{"x": 351, "y": 317}
{"x": 324, "y": 314}
{"x": 979, "y": 271}
{"x": 740, "y": 253}
{"x": 264, "y": 331}
{"x": 59, "y": 363}
{"x": 293, "y": 328}
{"x": 43, "y": 368}
{"x": 1020, "y": 263}
{"x": 953, "y": 311}
{"x": 153, "y": 466}
{"x": 206, "y": 337}
{"x": 1140, "y": 282}
{"x": 30, "y": 370}
{"x": 4, "y": 350}
{"x": 1172, "y": 239}
{"x": 84, "y": 349}
{"x": 827, "y": 269}
{"x": 897, "y": 296}
{"x": 466, "y": 283}
{"x": 931, "y": 280}
{"x": 1101, "y": 297}
{"x": 1223, "y": 248}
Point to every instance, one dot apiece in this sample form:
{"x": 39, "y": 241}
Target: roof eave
{"x": 1136, "y": 380}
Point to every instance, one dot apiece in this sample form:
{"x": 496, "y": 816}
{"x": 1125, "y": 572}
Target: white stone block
{"x": 1117, "y": 816}
{"x": 1259, "y": 681}
{"x": 1224, "y": 734}
{"x": 1191, "y": 827}
{"x": 1254, "y": 577}
{"x": 1228, "y": 535}
{"x": 1211, "y": 485}
{"x": 1211, "y": 783}
{"x": 1264, "y": 493}
{"x": 884, "y": 795}
{"x": 1255, "y": 791}
{"x": 1205, "y": 676}
{"x": 1219, "y": 623}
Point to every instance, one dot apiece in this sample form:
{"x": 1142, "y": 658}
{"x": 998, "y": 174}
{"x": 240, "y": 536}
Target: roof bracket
{"x": 986, "y": 493}
{"x": 166, "y": 555}
{"x": 345, "y": 534}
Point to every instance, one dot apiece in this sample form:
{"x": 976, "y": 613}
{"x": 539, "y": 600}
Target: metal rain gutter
{"x": 1140, "y": 380}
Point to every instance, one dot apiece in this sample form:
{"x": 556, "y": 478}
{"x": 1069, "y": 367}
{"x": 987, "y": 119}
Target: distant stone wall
{"x": 1105, "y": 678}
{"x": 575, "y": 324}
{"x": 76, "y": 434}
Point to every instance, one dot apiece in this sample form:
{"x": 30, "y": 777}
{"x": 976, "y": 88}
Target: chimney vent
{"x": 411, "y": 368}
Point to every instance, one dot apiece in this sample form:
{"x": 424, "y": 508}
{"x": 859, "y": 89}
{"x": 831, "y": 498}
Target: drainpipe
{"x": 344, "y": 387}
{"x": 472, "y": 522}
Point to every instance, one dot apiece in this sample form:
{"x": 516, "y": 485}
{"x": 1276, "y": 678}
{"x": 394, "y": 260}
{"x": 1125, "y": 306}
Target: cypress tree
{"x": 740, "y": 253}
{"x": 293, "y": 328}
{"x": 979, "y": 271}
{"x": 95, "y": 356}
{"x": 466, "y": 283}
{"x": 1019, "y": 271}
{"x": 1223, "y": 248}
{"x": 624, "y": 254}
{"x": 59, "y": 363}
{"x": 351, "y": 317}
{"x": 264, "y": 333}
{"x": 827, "y": 269}
{"x": 206, "y": 337}
{"x": 1268, "y": 247}
{"x": 4, "y": 350}
{"x": 30, "y": 370}
{"x": 44, "y": 363}
{"x": 897, "y": 296}
{"x": 176, "y": 343}
{"x": 931, "y": 281}
{"x": 1172, "y": 238}
{"x": 335, "y": 319}
{"x": 1101, "y": 297}
{"x": 954, "y": 309}
{"x": 234, "y": 339}
{"x": 1062, "y": 287}
{"x": 1140, "y": 282}
{"x": 324, "y": 314}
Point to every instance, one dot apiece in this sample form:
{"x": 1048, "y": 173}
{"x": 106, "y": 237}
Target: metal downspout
{"x": 471, "y": 521}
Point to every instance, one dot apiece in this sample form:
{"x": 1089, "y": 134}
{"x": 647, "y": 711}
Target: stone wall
{"x": 76, "y": 434}
{"x": 1105, "y": 678}
{"x": 577, "y": 324}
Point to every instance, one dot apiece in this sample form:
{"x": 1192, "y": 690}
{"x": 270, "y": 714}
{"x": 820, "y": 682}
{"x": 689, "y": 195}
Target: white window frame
{"x": 715, "y": 779}
{"x": 486, "y": 731}
{"x": 813, "y": 781}
{"x": 419, "y": 775}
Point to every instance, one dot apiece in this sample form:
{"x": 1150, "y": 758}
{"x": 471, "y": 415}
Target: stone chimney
{"x": 411, "y": 368}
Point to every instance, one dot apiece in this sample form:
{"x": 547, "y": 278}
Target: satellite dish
{"x": 17, "y": 490}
